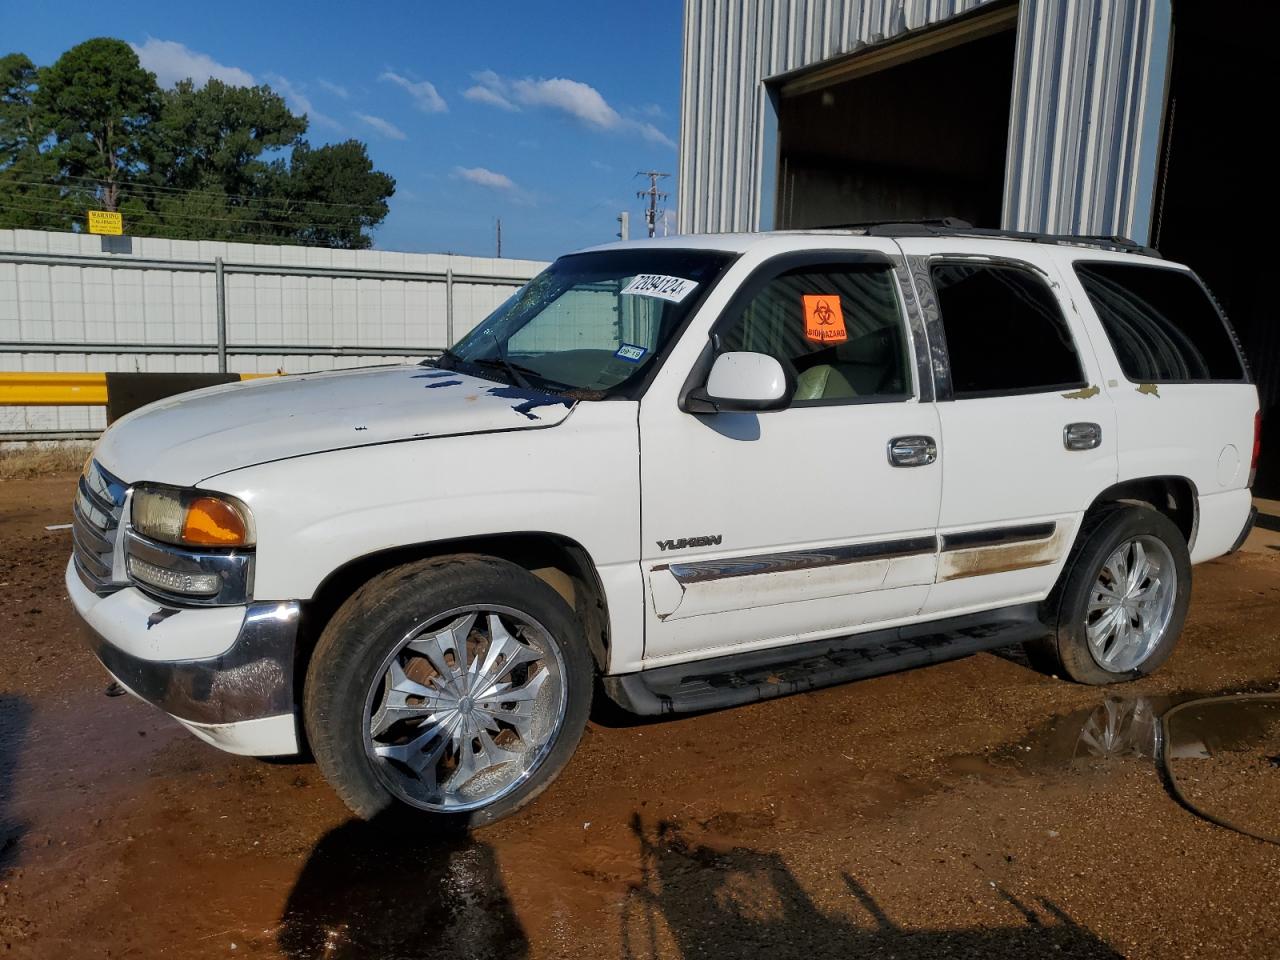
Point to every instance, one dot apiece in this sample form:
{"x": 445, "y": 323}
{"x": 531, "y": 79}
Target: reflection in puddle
{"x": 1121, "y": 729}
{"x": 1220, "y": 756}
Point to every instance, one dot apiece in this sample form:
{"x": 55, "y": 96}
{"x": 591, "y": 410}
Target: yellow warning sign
{"x": 106, "y": 222}
{"x": 823, "y": 318}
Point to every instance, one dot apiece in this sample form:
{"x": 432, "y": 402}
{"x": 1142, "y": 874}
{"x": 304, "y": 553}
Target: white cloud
{"x": 490, "y": 88}
{"x": 575, "y": 98}
{"x": 579, "y": 100}
{"x": 482, "y": 94}
{"x": 423, "y": 92}
{"x": 299, "y": 102}
{"x": 485, "y": 178}
{"x": 172, "y": 61}
{"x": 384, "y": 127}
{"x": 337, "y": 89}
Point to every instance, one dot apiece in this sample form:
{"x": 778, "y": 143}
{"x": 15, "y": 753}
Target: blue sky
{"x": 537, "y": 112}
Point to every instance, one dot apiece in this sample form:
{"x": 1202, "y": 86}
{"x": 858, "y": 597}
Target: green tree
{"x": 100, "y": 104}
{"x": 335, "y": 194}
{"x": 28, "y": 197}
{"x": 210, "y": 162}
{"x": 213, "y": 161}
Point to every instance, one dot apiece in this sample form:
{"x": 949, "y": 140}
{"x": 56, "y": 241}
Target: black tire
{"x": 360, "y": 637}
{"x": 1066, "y": 651}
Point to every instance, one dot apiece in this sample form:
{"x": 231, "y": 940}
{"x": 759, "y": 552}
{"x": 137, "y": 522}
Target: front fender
{"x": 579, "y": 481}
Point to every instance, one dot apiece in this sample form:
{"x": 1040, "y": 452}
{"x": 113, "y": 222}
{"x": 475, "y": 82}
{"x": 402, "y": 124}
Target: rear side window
{"x": 1005, "y": 333}
{"x": 1161, "y": 323}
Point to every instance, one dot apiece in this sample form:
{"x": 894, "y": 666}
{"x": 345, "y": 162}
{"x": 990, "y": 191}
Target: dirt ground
{"x": 959, "y": 810}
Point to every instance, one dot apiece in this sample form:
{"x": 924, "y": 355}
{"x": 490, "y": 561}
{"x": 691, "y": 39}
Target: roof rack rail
{"x": 923, "y": 224}
{"x": 955, "y": 227}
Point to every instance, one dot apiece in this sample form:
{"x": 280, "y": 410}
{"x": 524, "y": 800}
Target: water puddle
{"x": 1222, "y": 761}
{"x": 1219, "y": 755}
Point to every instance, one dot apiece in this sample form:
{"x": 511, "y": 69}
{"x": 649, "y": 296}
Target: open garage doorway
{"x": 914, "y": 129}
{"x": 1215, "y": 197}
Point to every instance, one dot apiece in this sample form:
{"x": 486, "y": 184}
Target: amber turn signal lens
{"x": 213, "y": 523}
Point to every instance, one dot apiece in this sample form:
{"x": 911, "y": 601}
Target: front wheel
{"x": 456, "y": 686}
{"x": 1121, "y": 601}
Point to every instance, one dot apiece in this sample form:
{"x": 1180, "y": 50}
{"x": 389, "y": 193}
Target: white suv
{"x": 708, "y": 470}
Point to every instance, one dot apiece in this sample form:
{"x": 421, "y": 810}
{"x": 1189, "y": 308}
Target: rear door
{"x": 1028, "y": 435}
{"x": 760, "y": 529}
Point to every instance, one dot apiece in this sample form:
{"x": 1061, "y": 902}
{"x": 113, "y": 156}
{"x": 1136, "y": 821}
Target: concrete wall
{"x": 49, "y": 309}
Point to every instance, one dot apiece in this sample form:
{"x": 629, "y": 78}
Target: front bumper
{"x": 225, "y": 673}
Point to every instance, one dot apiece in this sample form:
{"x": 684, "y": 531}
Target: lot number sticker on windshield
{"x": 661, "y": 286}
{"x": 629, "y": 351}
{"x": 823, "y": 318}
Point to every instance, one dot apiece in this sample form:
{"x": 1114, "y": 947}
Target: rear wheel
{"x": 458, "y": 687}
{"x": 1121, "y": 601}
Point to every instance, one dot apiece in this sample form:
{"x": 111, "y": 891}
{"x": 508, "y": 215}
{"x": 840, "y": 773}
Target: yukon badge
{"x": 711, "y": 541}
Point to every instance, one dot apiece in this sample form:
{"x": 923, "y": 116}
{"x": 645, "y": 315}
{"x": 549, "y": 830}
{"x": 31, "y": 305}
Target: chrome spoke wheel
{"x": 465, "y": 708}
{"x": 1131, "y": 603}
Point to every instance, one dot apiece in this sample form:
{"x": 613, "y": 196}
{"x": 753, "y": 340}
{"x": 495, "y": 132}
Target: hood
{"x": 190, "y": 437}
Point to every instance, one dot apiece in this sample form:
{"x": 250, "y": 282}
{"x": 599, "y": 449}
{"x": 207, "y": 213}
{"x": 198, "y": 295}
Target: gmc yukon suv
{"x": 691, "y": 473}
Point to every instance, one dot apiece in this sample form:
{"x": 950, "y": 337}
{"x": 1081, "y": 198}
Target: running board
{"x": 740, "y": 678}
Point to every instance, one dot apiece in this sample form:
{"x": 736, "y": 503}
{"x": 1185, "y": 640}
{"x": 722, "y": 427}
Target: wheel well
{"x": 1175, "y": 497}
{"x": 563, "y": 564}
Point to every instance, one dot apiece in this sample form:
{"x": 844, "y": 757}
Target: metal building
{"x": 1132, "y": 117}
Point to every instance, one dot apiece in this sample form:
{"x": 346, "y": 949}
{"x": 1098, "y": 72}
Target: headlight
{"x": 191, "y": 518}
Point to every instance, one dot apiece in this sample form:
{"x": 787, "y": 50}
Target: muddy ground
{"x": 958, "y": 810}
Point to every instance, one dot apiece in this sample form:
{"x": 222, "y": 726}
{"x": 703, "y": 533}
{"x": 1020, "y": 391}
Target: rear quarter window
{"x": 1161, "y": 323}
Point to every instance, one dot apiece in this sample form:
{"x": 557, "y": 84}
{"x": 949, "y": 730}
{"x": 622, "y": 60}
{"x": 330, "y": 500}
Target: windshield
{"x": 591, "y": 321}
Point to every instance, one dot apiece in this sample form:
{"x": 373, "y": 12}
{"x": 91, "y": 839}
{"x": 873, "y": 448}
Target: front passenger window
{"x": 839, "y": 329}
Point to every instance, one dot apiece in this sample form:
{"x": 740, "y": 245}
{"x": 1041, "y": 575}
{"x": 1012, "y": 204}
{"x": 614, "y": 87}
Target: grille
{"x": 95, "y": 523}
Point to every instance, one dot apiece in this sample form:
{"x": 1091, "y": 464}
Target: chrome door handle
{"x": 1082, "y": 436}
{"x": 912, "y": 451}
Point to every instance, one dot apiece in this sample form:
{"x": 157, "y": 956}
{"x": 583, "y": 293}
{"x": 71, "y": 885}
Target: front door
{"x": 760, "y": 529}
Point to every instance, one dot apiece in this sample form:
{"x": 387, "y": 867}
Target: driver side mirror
{"x": 743, "y": 382}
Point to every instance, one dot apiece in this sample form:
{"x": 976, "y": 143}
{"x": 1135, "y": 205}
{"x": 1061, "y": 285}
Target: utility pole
{"x": 654, "y": 195}
{"x": 624, "y": 226}
{"x": 499, "y": 238}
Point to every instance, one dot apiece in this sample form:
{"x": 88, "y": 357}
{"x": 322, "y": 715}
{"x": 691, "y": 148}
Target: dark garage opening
{"x": 1215, "y": 194}
{"x": 918, "y": 139}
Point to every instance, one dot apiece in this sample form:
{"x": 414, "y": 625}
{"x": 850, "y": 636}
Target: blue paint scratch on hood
{"x": 531, "y": 399}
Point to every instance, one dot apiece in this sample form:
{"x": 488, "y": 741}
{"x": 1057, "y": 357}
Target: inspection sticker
{"x": 630, "y": 352}
{"x": 823, "y": 319}
{"x": 661, "y": 286}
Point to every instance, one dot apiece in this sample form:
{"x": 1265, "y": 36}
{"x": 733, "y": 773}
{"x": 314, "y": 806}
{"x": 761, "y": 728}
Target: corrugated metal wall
{"x": 730, "y": 48}
{"x": 1085, "y": 123}
{"x": 101, "y": 304}
{"x": 1084, "y": 131}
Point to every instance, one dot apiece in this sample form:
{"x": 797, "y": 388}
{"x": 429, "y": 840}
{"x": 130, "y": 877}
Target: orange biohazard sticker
{"x": 823, "y": 319}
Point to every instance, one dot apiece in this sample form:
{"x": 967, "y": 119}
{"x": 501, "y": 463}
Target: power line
{"x": 190, "y": 192}
{"x": 654, "y": 195}
{"x": 73, "y": 208}
{"x": 163, "y": 231}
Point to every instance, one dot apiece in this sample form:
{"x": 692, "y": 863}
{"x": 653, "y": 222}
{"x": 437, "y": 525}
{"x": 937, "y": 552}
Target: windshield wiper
{"x": 515, "y": 372}
{"x": 544, "y": 383}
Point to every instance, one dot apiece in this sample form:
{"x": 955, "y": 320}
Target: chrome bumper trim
{"x": 250, "y": 680}
{"x": 233, "y": 568}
